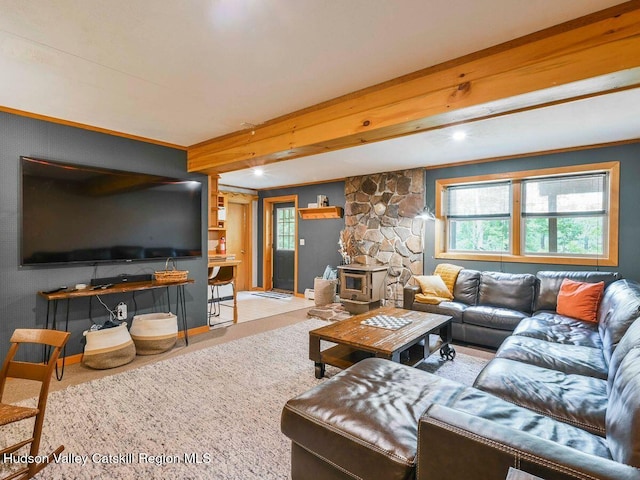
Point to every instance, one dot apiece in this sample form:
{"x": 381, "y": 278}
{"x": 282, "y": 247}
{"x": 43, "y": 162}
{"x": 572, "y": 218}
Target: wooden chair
{"x": 30, "y": 371}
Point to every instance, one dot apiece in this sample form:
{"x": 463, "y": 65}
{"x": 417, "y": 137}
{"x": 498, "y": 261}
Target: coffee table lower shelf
{"x": 343, "y": 356}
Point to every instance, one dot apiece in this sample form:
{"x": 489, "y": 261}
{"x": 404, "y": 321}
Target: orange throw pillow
{"x": 580, "y": 300}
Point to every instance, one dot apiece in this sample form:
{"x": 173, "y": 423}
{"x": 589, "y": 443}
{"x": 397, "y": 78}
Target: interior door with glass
{"x": 284, "y": 244}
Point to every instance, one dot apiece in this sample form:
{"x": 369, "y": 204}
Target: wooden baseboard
{"x": 195, "y": 331}
{"x": 70, "y": 360}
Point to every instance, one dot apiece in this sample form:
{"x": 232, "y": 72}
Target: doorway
{"x": 284, "y": 235}
{"x": 280, "y": 255}
{"x": 239, "y": 214}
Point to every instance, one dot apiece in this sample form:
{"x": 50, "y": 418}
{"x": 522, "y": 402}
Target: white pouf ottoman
{"x": 154, "y": 333}
{"x": 108, "y": 348}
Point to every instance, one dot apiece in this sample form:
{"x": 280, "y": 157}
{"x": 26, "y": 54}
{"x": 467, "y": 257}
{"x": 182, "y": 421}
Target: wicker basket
{"x": 171, "y": 276}
{"x": 108, "y": 348}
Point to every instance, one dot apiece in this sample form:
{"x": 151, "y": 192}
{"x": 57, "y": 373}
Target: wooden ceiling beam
{"x": 532, "y": 71}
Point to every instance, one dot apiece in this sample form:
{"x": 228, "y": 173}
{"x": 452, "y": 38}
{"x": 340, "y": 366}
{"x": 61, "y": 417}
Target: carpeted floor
{"x": 220, "y": 405}
{"x": 75, "y": 374}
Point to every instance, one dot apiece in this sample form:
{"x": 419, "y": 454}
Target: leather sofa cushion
{"x": 630, "y": 341}
{"x": 485, "y": 405}
{"x": 453, "y": 309}
{"x": 492, "y": 317}
{"x": 488, "y": 337}
{"x": 514, "y": 291}
{"x": 466, "y": 287}
{"x": 365, "y": 419}
{"x": 570, "y": 359}
{"x": 574, "y": 399}
{"x": 560, "y": 329}
{"x": 619, "y": 308}
{"x": 623, "y": 414}
{"x": 549, "y": 285}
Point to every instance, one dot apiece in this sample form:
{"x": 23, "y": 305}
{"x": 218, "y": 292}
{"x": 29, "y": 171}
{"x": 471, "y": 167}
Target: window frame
{"x": 516, "y": 246}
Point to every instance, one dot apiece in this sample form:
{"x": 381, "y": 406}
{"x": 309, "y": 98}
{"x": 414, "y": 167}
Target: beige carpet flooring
{"x": 78, "y": 373}
{"x": 75, "y": 374}
{"x": 219, "y": 405}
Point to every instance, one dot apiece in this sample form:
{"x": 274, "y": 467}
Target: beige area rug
{"x": 252, "y": 307}
{"x": 209, "y": 414}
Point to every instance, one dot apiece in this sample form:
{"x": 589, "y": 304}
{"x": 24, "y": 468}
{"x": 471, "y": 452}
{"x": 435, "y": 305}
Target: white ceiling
{"x": 186, "y": 71}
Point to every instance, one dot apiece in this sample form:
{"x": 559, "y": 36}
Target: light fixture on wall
{"x": 427, "y": 213}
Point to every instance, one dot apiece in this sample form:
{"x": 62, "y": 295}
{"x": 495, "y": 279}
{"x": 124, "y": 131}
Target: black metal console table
{"x": 68, "y": 295}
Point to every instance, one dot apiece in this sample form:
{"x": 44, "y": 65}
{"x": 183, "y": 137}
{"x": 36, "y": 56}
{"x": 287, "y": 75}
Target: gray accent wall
{"x": 320, "y": 236}
{"x": 20, "y": 306}
{"x": 629, "y": 230}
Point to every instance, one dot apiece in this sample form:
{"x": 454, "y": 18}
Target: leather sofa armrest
{"x": 409, "y": 296}
{"x": 455, "y": 444}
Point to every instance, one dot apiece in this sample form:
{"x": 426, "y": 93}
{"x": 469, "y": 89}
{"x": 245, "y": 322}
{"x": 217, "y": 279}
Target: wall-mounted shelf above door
{"x": 320, "y": 213}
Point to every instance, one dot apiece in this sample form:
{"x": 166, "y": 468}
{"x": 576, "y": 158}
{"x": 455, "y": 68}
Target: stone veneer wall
{"x": 381, "y": 214}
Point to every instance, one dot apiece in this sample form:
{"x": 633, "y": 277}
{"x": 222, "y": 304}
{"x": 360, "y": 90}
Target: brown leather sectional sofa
{"x": 487, "y": 306}
{"x": 561, "y": 400}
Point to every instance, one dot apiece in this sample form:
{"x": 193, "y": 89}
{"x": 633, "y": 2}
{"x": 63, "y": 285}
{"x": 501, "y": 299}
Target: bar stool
{"x": 218, "y": 276}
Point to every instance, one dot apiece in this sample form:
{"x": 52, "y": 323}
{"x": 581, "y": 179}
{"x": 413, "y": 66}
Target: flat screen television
{"x": 80, "y": 214}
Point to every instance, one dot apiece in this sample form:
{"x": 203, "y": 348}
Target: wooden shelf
{"x": 118, "y": 288}
{"x": 320, "y": 213}
{"x": 217, "y": 211}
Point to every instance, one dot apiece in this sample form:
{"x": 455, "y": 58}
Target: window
{"x": 567, "y": 215}
{"x": 479, "y": 217}
{"x": 286, "y": 228}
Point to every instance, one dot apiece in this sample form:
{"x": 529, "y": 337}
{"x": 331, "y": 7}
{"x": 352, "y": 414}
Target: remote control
{"x": 59, "y": 289}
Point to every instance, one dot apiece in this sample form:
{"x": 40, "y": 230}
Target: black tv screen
{"x": 80, "y": 214}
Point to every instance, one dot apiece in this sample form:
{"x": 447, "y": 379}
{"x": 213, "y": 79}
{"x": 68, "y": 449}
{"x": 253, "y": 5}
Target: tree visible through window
{"x": 479, "y": 217}
{"x": 565, "y": 215}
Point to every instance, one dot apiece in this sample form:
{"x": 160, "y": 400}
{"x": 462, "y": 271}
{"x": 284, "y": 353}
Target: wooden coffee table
{"x": 355, "y": 341}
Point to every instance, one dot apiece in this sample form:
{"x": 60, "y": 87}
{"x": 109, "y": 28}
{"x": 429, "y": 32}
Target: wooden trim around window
{"x": 608, "y": 260}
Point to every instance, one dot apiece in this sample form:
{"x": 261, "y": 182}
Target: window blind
{"x": 561, "y": 196}
{"x": 478, "y": 201}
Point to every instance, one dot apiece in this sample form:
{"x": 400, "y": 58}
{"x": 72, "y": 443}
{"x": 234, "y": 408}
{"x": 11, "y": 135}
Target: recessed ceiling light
{"x": 258, "y": 172}
{"x": 459, "y": 135}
